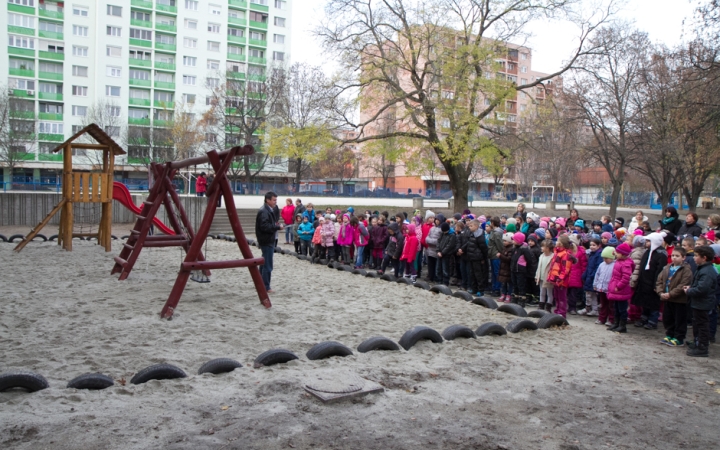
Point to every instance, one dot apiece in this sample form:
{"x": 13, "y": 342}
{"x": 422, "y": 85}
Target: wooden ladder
{"x": 34, "y": 232}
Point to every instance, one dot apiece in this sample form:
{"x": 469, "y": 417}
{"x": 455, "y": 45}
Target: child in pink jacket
{"x": 345, "y": 239}
{"x": 410, "y": 252}
{"x": 619, "y": 290}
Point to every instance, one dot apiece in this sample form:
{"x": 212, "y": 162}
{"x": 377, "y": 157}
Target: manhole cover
{"x": 336, "y": 384}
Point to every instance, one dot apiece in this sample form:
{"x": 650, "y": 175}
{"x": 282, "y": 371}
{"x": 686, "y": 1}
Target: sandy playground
{"x": 581, "y": 387}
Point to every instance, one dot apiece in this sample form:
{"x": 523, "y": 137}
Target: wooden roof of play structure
{"x": 96, "y": 133}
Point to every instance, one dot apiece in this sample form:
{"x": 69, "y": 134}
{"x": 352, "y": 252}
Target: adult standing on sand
{"x": 299, "y": 207}
{"x": 288, "y": 213}
{"x": 201, "y": 185}
{"x": 266, "y": 228}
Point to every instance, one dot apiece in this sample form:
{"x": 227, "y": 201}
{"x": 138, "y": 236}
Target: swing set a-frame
{"x": 163, "y": 194}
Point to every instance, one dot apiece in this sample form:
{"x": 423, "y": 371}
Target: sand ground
{"x": 62, "y": 314}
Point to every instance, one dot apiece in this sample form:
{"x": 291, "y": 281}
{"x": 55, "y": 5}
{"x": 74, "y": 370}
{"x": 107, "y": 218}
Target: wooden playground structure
{"x": 83, "y": 188}
{"x": 194, "y": 266}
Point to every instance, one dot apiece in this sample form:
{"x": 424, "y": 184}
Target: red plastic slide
{"x": 122, "y": 194}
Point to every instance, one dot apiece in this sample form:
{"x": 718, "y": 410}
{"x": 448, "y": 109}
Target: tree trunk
{"x": 615, "y": 197}
{"x": 459, "y": 185}
{"x": 298, "y": 174}
{"x": 692, "y": 195}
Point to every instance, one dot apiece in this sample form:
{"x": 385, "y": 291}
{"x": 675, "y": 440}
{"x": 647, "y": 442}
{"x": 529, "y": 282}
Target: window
{"x": 112, "y": 91}
{"x": 213, "y": 64}
{"x": 190, "y": 43}
{"x": 51, "y": 48}
{"x": 114, "y": 11}
{"x": 113, "y": 51}
{"x": 80, "y": 51}
{"x": 236, "y": 32}
{"x": 141, "y": 94}
{"x": 189, "y": 80}
{"x": 22, "y": 2}
{"x": 20, "y": 20}
{"x": 51, "y": 127}
{"x": 164, "y": 77}
{"x": 523, "y": 80}
{"x": 523, "y": 55}
{"x": 255, "y": 53}
{"x": 163, "y": 20}
{"x": 213, "y": 46}
{"x": 164, "y": 39}
{"x": 213, "y": 82}
{"x": 279, "y": 38}
{"x": 21, "y": 41}
{"x": 254, "y": 70}
{"x": 136, "y": 74}
{"x": 523, "y": 108}
{"x": 113, "y": 111}
{"x": 236, "y": 14}
{"x": 140, "y": 54}
{"x": 163, "y": 58}
{"x": 191, "y": 24}
{"x": 215, "y": 10}
{"x": 79, "y": 91}
{"x": 236, "y": 67}
{"x": 188, "y": 98}
{"x": 22, "y": 84}
{"x": 113, "y": 31}
{"x": 278, "y": 56}
{"x": 79, "y": 111}
{"x": 279, "y": 22}
{"x": 165, "y": 97}
{"x": 51, "y": 26}
{"x": 191, "y": 5}
{"x": 51, "y": 67}
{"x": 523, "y": 69}
{"x": 257, "y": 35}
{"x": 137, "y": 33}
{"x": 210, "y": 138}
{"x": 80, "y": 11}
{"x": 138, "y": 15}
{"x": 80, "y": 71}
{"x": 511, "y": 118}
{"x": 24, "y": 64}
{"x": 280, "y": 4}
{"x": 50, "y": 88}
{"x": 189, "y": 61}
{"x": 79, "y": 30}
{"x": 235, "y": 50}
{"x": 259, "y": 2}
{"x": 138, "y": 113}
{"x": 258, "y": 17}
{"x": 214, "y": 27}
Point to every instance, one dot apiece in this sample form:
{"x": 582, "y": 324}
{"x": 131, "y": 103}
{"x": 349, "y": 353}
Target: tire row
{"x": 43, "y": 238}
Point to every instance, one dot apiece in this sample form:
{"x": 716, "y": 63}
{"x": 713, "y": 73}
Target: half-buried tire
{"x": 322, "y": 261}
{"x": 3, "y": 238}
{"x": 518, "y": 325}
{"x": 377, "y": 343}
{"x": 403, "y": 280}
{"x": 512, "y": 308}
{"x": 422, "y": 285}
{"x": 345, "y": 268}
{"x": 491, "y": 329}
{"x": 12, "y": 238}
{"x": 463, "y": 295}
{"x": 91, "y": 381}
{"x": 441, "y": 289}
{"x": 457, "y": 331}
{"x": 485, "y": 302}
{"x": 218, "y": 366}
{"x": 327, "y": 349}
{"x": 158, "y": 372}
{"x": 274, "y": 356}
{"x": 372, "y": 274}
{"x": 362, "y": 272}
{"x": 413, "y": 335}
{"x": 537, "y": 313}
{"x": 388, "y": 277}
{"x": 551, "y": 320}
{"x": 22, "y": 379}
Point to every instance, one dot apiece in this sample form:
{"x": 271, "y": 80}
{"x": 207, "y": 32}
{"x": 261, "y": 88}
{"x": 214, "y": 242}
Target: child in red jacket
{"x": 619, "y": 290}
{"x": 409, "y": 253}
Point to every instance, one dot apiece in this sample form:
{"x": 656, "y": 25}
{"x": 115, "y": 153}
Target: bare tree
{"x": 107, "y": 115}
{"x": 17, "y": 130}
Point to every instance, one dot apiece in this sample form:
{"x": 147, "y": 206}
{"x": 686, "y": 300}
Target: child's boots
{"x": 622, "y": 328}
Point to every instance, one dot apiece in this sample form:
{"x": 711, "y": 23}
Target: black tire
{"x": 251, "y": 241}
{"x": 222, "y": 236}
{"x": 79, "y": 237}
{"x": 362, "y": 272}
{"x": 327, "y": 349}
{"x": 537, "y": 313}
{"x": 388, "y": 277}
{"x": 91, "y": 381}
{"x": 457, "y": 331}
{"x": 403, "y": 280}
{"x": 377, "y": 343}
{"x": 292, "y": 254}
{"x": 274, "y": 356}
{"x": 41, "y": 236}
{"x": 490, "y": 328}
{"x": 551, "y": 320}
{"x": 514, "y": 309}
{"x": 12, "y": 238}
{"x": 413, "y": 335}
{"x": 218, "y": 366}
{"x": 518, "y": 325}
{"x": 345, "y": 268}
{"x": 124, "y": 238}
{"x": 276, "y": 250}
{"x": 158, "y": 372}
{"x": 486, "y": 302}
{"x": 441, "y": 289}
{"x": 3, "y": 238}
{"x": 422, "y": 285}
{"x": 322, "y": 261}
{"x": 302, "y": 257}
{"x": 54, "y": 237}
{"x": 463, "y": 295}
{"x": 112, "y": 236}
{"x": 23, "y": 379}
{"x": 372, "y": 274}
{"x": 334, "y": 265}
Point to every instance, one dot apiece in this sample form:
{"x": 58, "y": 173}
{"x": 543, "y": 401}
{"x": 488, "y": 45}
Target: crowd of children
{"x": 602, "y": 269}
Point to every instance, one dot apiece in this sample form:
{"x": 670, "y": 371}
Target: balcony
{"x": 21, "y": 30}
{"x": 259, "y": 25}
{"x": 50, "y": 76}
{"x": 256, "y": 60}
{"x": 235, "y": 57}
{"x": 163, "y": 27}
{"x": 51, "y": 137}
{"x": 142, "y": 4}
{"x": 236, "y": 39}
{"x": 58, "y": 97}
{"x": 141, "y": 23}
{"x": 164, "y": 105}
{"x": 237, "y": 21}
{"x": 138, "y": 82}
{"x": 23, "y": 93}
{"x": 21, "y": 9}
{"x": 236, "y": 75}
{"x": 21, "y": 51}
{"x": 50, "y": 157}
{"x": 140, "y": 62}
{"x": 259, "y": 8}
{"x": 261, "y": 78}
{"x": 162, "y": 123}
{"x": 168, "y": 47}
{"x": 257, "y": 43}
{"x": 30, "y": 73}
{"x": 164, "y": 65}
{"x": 139, "y": 101}
{"x": 57, "y": 15}
{"x": 50, "y": 116}
{"x": 42, "y": 54}
{"x": 26, "y": 156}
{"x": 166, "y": 8}
{"x": 141, "y": 42}
{"x": 165, "y": 85}
{"x": 236, "y": 4}
{"x": 50, "y": 35}
{"x": 22, "y": 114}
{"x": 133, "y": 121}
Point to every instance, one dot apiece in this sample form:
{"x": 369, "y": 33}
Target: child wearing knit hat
{"x": 601, "y": 283}
{"x": 504, "y": 274}
{"x": 595, "y": 259}
{"x": 522, "y": 260}
{"x": 619, "y": 290}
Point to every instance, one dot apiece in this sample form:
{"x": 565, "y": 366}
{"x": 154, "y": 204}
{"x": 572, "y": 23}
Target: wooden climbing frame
{"x": 163, "y": 194}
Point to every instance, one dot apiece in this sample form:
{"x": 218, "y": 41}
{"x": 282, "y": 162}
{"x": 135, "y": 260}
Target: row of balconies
{"x": 42, "y": 12}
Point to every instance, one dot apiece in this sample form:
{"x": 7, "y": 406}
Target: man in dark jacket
{"x": 477, "y": 255}
{"x": 394, "y": 249}
{"x": 266, "y": 226}
{"x": 447, "y": 246}
{"x": 690, "y": 228}
{"x": 701, "y": 295}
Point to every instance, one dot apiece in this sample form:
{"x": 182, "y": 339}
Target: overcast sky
{"x": 551, "y": 43}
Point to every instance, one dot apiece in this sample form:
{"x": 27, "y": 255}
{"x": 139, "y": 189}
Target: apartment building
{"x": 137, "y": 58}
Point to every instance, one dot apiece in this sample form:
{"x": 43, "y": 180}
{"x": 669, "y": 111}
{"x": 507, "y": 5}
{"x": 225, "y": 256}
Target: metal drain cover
{"x": 342, "y": 383}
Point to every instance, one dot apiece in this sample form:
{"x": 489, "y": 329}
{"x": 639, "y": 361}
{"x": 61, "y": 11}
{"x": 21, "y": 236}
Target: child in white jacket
{"x": 601, "y": 283}
{"x": 541, "y": 275}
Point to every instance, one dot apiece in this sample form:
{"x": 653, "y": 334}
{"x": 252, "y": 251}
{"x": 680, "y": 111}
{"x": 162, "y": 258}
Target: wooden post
{"x": 67, "y": 212}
